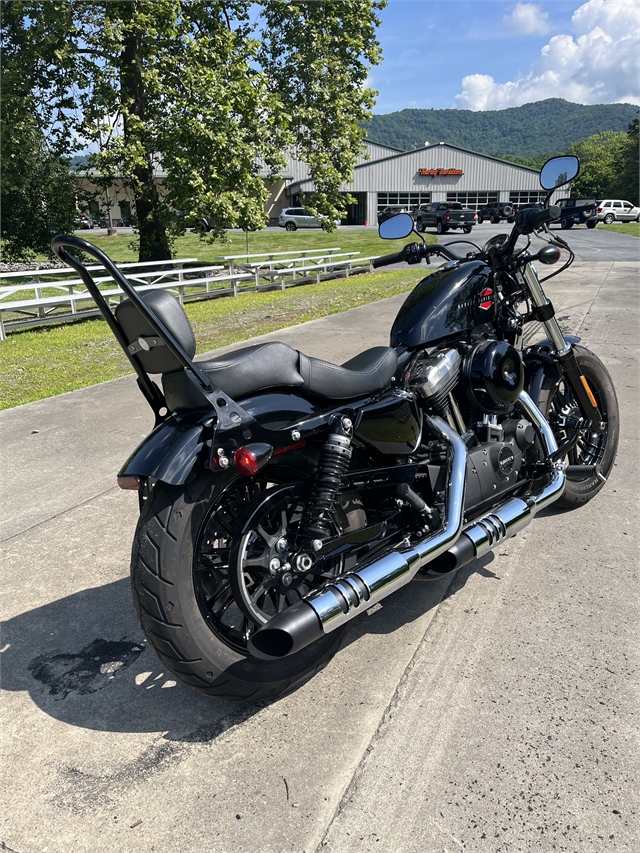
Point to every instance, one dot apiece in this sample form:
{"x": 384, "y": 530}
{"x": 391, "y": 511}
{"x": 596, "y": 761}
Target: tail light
{"x": 475, "y": 215}
{"x": 130, "y": 482}
{"x": 447, "y": 215}
{"x": 251, "y": 458}
{"x": 598, "y": 210}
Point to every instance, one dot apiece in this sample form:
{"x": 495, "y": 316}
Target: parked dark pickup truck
{"x": 444, "y": 215}
{"x": 578, "y": 211}
{"x": 496, "y": 212}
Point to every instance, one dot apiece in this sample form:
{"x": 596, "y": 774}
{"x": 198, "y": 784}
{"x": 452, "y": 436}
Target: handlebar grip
{"x": 385, "y": 260}
{"x": 530, "y": 219}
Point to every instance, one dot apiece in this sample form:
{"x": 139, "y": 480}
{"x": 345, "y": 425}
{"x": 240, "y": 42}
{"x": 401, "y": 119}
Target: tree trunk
{"x": 154, "y": 243}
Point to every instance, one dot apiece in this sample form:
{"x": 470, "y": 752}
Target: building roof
{"x": 369, "y": 163}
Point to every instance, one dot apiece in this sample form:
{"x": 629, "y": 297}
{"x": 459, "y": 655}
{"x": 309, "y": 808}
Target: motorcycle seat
{"x": 253, "y": 368}
{"x": 277, "y": 365}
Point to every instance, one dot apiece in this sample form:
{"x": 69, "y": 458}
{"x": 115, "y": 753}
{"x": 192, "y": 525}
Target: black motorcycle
{"x": 282, "y": 495}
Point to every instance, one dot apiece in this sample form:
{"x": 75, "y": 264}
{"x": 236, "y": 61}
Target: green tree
{"x": 207, "y": 92}
{"x": 608, "y": 165}
{"x": 38, "y": 193}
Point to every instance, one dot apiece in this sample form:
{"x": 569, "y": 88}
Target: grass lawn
{"x": 191, "y": 245}
{"x": 622, "y": 227}
{"x": 41, "y": 362}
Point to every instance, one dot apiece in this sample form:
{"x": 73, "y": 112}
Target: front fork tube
{"x": 562, "y": 350}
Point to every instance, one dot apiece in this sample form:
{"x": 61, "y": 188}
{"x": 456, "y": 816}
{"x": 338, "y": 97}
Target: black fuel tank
{"x": 453, "y": 300}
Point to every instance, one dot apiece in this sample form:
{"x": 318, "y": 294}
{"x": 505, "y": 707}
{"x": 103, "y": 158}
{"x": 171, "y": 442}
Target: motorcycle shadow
{"x": 83, "y": 660}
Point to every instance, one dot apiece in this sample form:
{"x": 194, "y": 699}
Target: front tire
{"x": 183, "y": 595}
{"x": 557, "y": 403}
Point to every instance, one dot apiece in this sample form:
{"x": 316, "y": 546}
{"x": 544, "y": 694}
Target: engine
{"x": 477, "y": 393}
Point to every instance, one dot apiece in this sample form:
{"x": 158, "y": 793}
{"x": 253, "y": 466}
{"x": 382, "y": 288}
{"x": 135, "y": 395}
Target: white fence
{"x": 53, "y": 296}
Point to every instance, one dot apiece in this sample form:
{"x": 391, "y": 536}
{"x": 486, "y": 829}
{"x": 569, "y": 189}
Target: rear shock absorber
{"x": 335, "y": 457}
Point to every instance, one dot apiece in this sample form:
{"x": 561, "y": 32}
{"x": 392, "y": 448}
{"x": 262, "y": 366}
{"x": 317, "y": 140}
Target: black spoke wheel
{"x": 271, "y": 567}
{"x": 591, "y": 459}
{"x": 183, "y": 594}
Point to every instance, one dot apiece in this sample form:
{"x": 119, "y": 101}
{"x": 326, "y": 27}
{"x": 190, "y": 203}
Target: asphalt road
{"x": 490, "y": 712}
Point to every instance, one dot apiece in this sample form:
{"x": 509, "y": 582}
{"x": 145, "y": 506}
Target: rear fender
{"x": 169, "y": 453}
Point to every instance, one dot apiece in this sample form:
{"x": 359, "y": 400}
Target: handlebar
{"x": 530, "y": 219}
{"x": 413, "y": 253}
{"x": 385, "y": 260}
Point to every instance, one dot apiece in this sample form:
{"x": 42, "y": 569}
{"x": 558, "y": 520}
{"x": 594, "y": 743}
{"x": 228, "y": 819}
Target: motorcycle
{"x": 282, "y": 495}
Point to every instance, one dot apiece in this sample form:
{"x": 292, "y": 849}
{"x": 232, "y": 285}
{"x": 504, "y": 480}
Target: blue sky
{"x": 492, "y": 54}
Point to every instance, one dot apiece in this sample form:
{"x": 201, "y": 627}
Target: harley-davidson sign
{"x": 436, "y": 173}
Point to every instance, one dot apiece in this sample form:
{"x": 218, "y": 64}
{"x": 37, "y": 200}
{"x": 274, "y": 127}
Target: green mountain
{"x": 544, "y": 127}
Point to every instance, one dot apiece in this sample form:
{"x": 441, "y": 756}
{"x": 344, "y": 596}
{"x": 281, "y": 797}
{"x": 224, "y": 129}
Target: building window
{"x": 473, "y": 200}
{"x": 406, "y": 200}
{"x": 533, "y": 197}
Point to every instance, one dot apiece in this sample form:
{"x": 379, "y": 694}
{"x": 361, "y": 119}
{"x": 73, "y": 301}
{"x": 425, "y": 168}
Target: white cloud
{"x": 601, "y": 64}
{"x": 527, "y": 19}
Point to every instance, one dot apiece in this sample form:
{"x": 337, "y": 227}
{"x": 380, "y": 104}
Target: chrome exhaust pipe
{"x": 490, "y": 531}
{"x": 348, "y": 595}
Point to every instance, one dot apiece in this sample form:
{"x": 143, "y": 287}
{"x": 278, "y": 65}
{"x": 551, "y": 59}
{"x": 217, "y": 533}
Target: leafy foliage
{"x": 204, "y": 91}
{"x": 608, "y": 165}
{"x": 38, "y": 197}
{"x": 538, "y": 129}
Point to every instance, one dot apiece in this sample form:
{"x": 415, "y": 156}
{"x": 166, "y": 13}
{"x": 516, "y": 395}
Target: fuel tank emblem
{"x": 486, "y": 296}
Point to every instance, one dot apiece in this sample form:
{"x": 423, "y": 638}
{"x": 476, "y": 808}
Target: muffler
{"x": 350, "y": 594}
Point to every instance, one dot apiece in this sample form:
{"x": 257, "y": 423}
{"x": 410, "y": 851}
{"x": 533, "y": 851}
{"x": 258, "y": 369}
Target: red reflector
{"x": 133, "y": 483}
{"x": 289, "y": 447}
{"x": 246, "y": 461}
{"x": 486, "y": 305}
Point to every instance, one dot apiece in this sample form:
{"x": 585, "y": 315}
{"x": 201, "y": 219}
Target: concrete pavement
{"x": 490, "y": 712}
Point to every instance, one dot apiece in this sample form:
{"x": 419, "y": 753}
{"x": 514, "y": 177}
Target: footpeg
{"x": 406, "y": 493}
{"x": 585, "y": 470}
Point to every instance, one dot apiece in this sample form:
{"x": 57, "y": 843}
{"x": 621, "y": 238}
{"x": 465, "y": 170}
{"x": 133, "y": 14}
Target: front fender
{"x": 168, "y": 453}
{"x": 536, "y": 364}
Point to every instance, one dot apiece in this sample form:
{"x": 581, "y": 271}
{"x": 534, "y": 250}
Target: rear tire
{"x": 591, "y": 223}
{"x": 609, "y": 218}
{"x": 291, "y": 226}
{"x": 565, "y": 224}
{"x": 183, "y": 596}
{"x": 467, "y": 229}
{"x": 480, "y": 219}
{"x": 592, "y": 448}
{"x": 440, "y": 228}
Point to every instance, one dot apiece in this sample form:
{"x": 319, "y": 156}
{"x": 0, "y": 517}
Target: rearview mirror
{"x": 559, "y": 171}
{"x": 396, "y": 227}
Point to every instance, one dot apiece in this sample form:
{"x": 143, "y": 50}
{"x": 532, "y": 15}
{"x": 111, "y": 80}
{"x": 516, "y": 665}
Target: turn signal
{"x": 250, "y": 458}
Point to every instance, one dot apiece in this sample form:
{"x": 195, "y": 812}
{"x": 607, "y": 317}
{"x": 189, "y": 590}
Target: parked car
{"x": 444, "y": 215}
{"x": 292, "y": 218}
{"x": 496, "y": 211}
{"x": 578, "y": 211}
{"x": 388, "y": 212}
{"x": 615, "y": 210}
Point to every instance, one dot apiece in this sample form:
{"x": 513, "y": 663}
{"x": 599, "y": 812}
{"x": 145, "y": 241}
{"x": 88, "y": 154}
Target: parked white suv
{"x": 293, "y": 218}
{"x": 613, "y": 209}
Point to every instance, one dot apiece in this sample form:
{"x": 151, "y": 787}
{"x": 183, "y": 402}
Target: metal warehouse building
{"x": 440, "y": 172}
